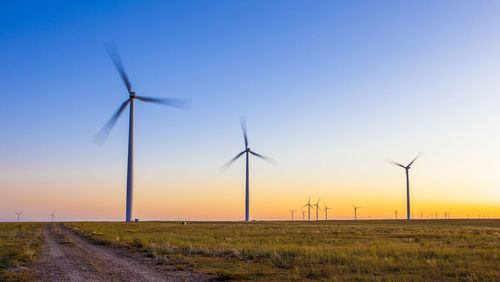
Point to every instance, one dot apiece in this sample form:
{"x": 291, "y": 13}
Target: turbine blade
{"x": 115, "y": 57}
{"x": 104, "y": 132}
{"x": 263, "y": 157}
{"x": 414, "y": 159}
{"x": 183, "y": 104}
{"x": 395, "y": 163}
{"x": 243, "y": 123}
{"x": 229, "y": 163}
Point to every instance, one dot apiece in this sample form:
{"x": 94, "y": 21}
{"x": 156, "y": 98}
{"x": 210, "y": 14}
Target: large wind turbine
{"x": 101, "y": 136}
{"x": 18, "y": 215}
{"x": 407, "y": 183}
{"x": 247, "y": 153}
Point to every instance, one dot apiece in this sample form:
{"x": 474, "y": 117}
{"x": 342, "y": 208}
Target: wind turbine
{"x": 303, "y": 215}
{"x": 317, "y": 208}
{"x": 18, "y": 215}
{"x": 292, "y": 211}
{"x": 355, "y": 212}
{"x": 247, "y": 153}
{"x": 104, "y": 132}
{"x": 407, "y": 183}
{"x": 326, "y": 211}
{"x": 53, "y": 214}
{"x": 308, "y": 205}
{"x": 396, "y": 213}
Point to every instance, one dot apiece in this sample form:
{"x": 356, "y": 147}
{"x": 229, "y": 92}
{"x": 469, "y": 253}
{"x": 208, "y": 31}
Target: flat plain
{"x": 465, "y": 250}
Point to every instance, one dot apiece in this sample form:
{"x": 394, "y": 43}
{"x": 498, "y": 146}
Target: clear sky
{"x": 330, "y": 89}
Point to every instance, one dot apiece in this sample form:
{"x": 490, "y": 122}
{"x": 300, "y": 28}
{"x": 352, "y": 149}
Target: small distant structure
{"x": 325, "y": 208}
{"x": 292, "y": 211}
{"x": 396, "y": 213}
{"x": 317, "y": 209}
{"x": 355, "y": 212}
{"x": 136, "y": 220}
{"x": 18, "y": 215}
{"x": 53, "y": 215}
{"x": 308, "y": 205}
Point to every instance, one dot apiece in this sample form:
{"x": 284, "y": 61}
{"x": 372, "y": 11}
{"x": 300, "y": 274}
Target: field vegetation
{"x": 376, "y": 250}
{"x": 19, "y": 244}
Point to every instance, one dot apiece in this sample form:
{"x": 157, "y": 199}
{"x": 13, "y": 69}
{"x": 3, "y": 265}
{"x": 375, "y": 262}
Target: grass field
{"x": 19, "y": 244}
{"x": 394, "y": 250}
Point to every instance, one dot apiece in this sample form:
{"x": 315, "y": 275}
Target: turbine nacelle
{"x": 132, "y": 94}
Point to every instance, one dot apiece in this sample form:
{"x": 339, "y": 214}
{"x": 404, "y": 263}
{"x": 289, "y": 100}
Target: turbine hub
{"x": 132, "y": 94}
{"x": 248, "y": 149}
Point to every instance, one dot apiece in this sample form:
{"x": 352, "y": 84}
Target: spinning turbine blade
{"x": 395, "y": 163}
{"x": 263, "y": 157}
{"x": 229, "y": 163}
{"x": 104, "y": 132}
{"x": 414, "y": 159}
{"x": 244, "y": 129}
{"x": 115, "y": 57}
{"x": 184, "y": 104}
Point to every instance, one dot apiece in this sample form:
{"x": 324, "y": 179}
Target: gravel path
{"x": 68, "y": 257}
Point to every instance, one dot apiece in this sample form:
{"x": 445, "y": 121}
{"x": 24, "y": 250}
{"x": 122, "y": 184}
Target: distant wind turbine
{"x": 247, "y": 153}
{"x": 308, "y": 205}
{"x": 18, "y": 215}
{"x": 396, "y": 213}
{"x": 303, "y": 215}
{"x": 407, "y": 183}
{"x": 292, "y": 211}
{"x": 325, "y": 208}
{"x": 317, "y": 209}
{"x": 355, "y": 212}
{"x": 104, "y": 132}
{"x": 53, "y": 215}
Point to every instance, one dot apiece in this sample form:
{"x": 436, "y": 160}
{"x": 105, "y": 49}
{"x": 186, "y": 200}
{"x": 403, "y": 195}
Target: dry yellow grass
{"x": 380, "y": 250}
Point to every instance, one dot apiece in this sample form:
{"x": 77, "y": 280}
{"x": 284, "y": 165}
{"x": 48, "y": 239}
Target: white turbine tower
{"x": 18, "y": 215}
{"x": 407, "y": 183}
{"x": 101, "y": 136}
{"x": 247, "y": 153}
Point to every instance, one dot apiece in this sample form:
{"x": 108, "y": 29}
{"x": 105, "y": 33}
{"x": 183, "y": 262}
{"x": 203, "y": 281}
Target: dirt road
{"x": 68, "y": 257}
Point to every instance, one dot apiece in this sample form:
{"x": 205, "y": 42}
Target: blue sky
{"x": 329, "y": 88}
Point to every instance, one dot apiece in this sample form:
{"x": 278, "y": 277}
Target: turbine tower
{"x": 308, "y": 205}
{"x": 247, "y": 153}
{"x": 104, "y": 132}
{"x": 407, "y": 183}
{"x": 396, "y": 213}
{"x": 355, "y": 212}
{"x": 53, "y": 215}
{"x": 18, "y": 215}
{"x": 303, "y": 215}
{"x": 325, "y": 208}
{"x": 292, "y": 211}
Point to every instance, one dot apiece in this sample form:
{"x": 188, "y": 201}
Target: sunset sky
{"x": 330, "y": 89}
